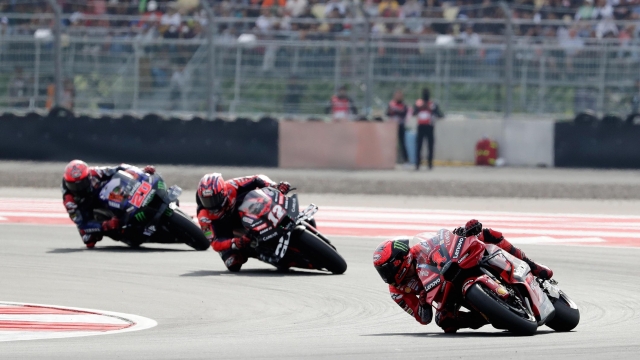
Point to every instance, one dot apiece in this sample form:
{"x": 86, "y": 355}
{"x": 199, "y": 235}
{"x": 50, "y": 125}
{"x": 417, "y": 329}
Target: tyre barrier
{"x": 61, "y": 136}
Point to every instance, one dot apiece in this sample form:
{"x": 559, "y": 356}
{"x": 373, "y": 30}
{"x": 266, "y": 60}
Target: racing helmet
{"x": 212, "y": 192}
{"x": 392, "y": 260}
{"x": 76, "y": 177}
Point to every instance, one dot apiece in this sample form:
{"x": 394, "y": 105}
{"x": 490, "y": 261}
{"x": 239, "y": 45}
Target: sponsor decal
{"x": 91, "y": 230}
{"x": 520, "y": 270}
{"x": 149, "y": 197}
{"x": 424, "y": 273}
{"x": 407, "y": 289}
{"x": 376, "y": 257}
{"x": 140, "y": 216}
{"x": 501, "y": 291}
{"x": 400, "y": 246}
{"x": 432, "y": 284}
{"x": 248, "y": 220}
{"x": 456, "y": 253}
{"x": 263, "y": 231}
{"x": 260, "y": 227}
{"x": 76, "y": 172}
{"x": 207, "y": 192}
{"x": 270, "y": 236}
{"x": 114, "y": 204}
{"x": 396, "y": 296}
{"x": 205, "y": 220}
{"x": 463, "y": 257}
{"x": 115, "y": 196}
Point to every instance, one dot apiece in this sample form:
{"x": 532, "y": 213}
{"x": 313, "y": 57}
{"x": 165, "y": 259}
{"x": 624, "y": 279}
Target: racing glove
{"x": 472, "y": 227}
{"x": 149, "y": 169}
{"x": 112, "y": 224}
{"x": 284, "y": 187}
{"x": 240, "y": 243}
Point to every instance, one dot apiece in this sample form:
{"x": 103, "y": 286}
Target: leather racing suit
{"x": 80, "y": 206}
{"x": 411, "y": 295}
{"x": 218, "y": 226}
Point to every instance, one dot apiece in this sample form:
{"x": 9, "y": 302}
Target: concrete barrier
{"x": 520, "y": 142}
{"x": 456, "y": 139}
{"x": 529, "y": 142}
{"x": 345, "y": 145}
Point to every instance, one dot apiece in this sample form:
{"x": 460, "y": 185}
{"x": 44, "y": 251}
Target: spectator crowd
{"x": 470, "y": 21}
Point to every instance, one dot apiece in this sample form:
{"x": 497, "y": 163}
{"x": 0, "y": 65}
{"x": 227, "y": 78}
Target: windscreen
{"x": 433, "y": 256}
{"x": 256, "y": 203}
{"x": 118, "y": 188}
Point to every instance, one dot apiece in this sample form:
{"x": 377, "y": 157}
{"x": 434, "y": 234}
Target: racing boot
{"x": 452, "y": 321}
{"x": 233, "y": 259}
{"x": 496, "y": 237}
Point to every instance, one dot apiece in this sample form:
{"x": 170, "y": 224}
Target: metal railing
{"x": 258, "y": 73}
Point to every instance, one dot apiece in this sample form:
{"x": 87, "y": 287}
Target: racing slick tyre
{"x": 320, "y": 253}
{"x": 499, "y": 313}
{"x": 181, "y": 226}
{"x": 566, "y": 318}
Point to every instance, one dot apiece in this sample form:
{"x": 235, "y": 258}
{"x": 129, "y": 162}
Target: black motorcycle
{"x": 148, "y": 211}
{"x": 285, "y": 237}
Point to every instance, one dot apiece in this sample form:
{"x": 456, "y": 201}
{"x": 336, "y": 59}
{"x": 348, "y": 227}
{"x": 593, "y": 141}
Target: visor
{"x": 388, "y": 272}
{"x": 78, "y": 186}
{"x": 214, "y": 202}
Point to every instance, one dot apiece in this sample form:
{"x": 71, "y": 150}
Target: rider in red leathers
{"x": 81, "y": 187}
{"x": 218, "y": 202}
{"x": 395, "y": 261}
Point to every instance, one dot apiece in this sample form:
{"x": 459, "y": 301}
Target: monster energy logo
{"x": 400, "y": 245}
{"x": 140, "y": 217}
{"x": 161, "y": 185}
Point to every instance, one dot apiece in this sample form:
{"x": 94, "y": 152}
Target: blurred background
{"x": 549, "y": 82}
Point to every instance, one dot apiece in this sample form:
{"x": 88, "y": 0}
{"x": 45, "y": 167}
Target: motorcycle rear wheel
{"x": 181, "y": 226}
{"x": 320, "y": 253}
{"x": 498, "y": 314}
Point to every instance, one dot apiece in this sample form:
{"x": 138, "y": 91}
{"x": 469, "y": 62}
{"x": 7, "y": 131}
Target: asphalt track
{"x": 204, "y": 312}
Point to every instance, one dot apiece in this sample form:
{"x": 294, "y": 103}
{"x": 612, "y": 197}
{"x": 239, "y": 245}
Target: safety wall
{"x": 343, "y": 145}
{"x": 455, "y": 140}
{"x": 597, "y": 145}
{"x": 520, "y": 142}
{"x": 147, "y": 140}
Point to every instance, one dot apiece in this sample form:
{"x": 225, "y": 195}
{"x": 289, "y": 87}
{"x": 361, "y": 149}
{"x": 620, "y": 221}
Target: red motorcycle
{"x": 482, "y": 277}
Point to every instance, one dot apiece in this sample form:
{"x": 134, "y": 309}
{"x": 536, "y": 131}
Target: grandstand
{"x": 536, "y": 57}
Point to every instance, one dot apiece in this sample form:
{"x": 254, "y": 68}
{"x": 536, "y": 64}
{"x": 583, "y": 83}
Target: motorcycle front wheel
{"x": 567, "y": 315}
{"x": 499, "y": 313}
{"x": 320, "y": 253}
{"x": 182, "y": 227}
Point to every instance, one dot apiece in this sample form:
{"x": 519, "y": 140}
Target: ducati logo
{"x": 376, "y": 257}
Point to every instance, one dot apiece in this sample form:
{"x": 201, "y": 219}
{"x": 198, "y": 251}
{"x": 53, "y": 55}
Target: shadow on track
{"x": 464, "y": 334}
{"x": 254, "y": 273}
{"x": 117, "y": 249}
